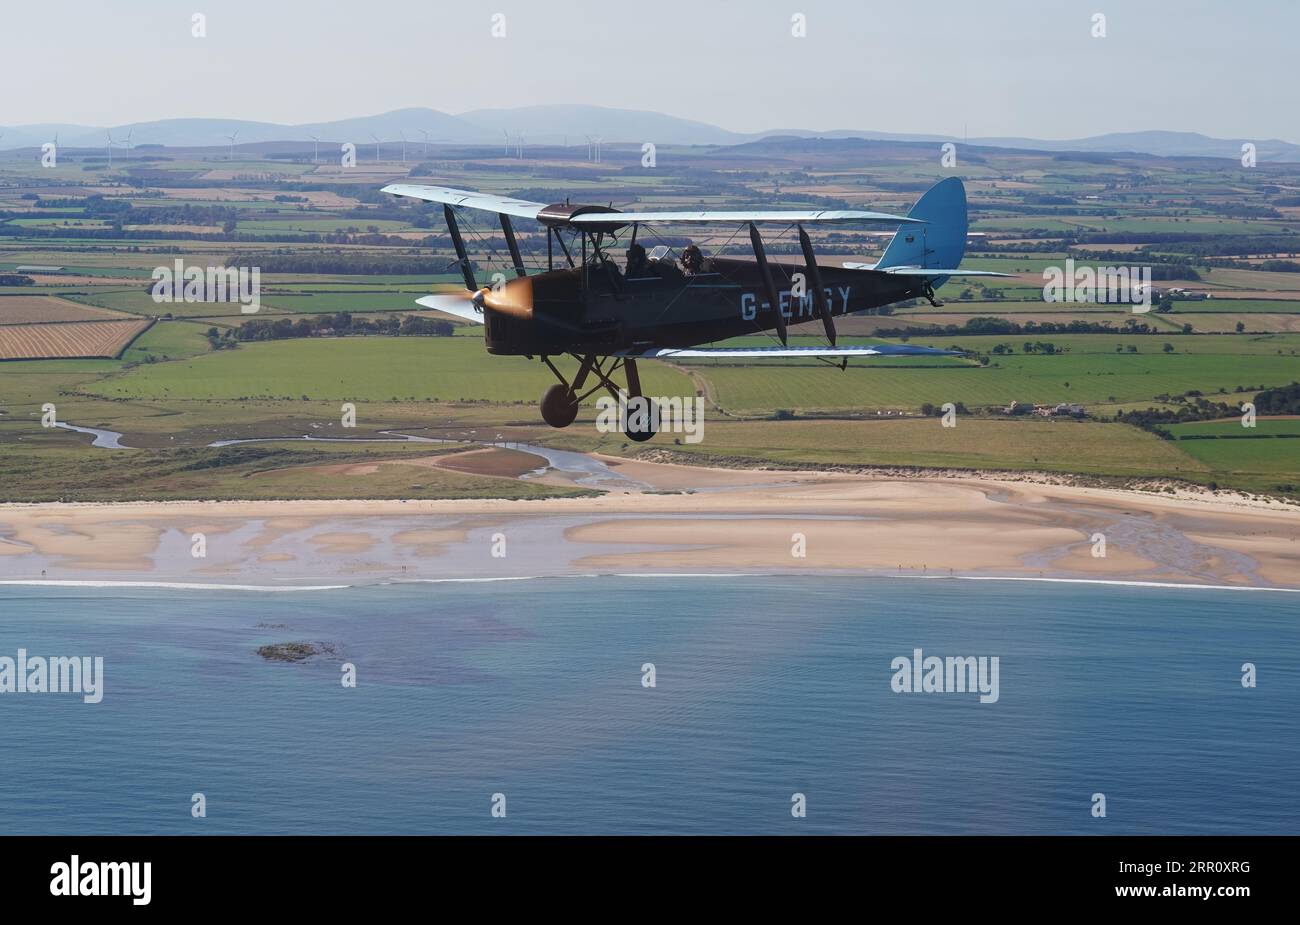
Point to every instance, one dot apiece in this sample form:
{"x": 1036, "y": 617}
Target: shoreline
{"x": 1141, "y": 487}
{"x": 676, "y": 576}
{"x": 710, "y": 476}
{"x": 692, "y": 520}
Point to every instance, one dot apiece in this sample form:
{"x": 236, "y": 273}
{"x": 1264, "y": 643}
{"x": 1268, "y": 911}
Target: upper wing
{"x": 766, "y": 215}
{"x": 922, "y": 271}
{"x": 664, "y": 353}
{"x": 522, "y": 208}
{"x": 519, "y": 208}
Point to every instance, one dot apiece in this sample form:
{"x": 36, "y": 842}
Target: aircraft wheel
{"x": 559, "y": 406}
{"x": 639, "y": 435}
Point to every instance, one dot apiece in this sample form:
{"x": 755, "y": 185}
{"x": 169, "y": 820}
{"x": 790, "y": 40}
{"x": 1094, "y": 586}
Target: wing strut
{"x": 466, "y": 270}
{"x": 508, "y": 229}
{"x": 559, "y": 240}
{"x": 815, "y": 280}
{"x": 766, "y": 270}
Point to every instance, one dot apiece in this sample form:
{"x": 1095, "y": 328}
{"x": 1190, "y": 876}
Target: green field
{"x": 355, "y": 369}
{"x": 316, "y": 302}
{"x": 1266, "y": 456}
{"x": 1265, "y": 428}
{"x": 1090, "y": 372}
{"x": 168, "y": 340}
{"x": 1064, "y": 446}
{"x": 458, "y": 369}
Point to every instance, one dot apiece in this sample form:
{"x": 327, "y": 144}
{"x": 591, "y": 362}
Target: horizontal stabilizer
{"x": 458, "y": 305}
{"x": 692, "y": 353}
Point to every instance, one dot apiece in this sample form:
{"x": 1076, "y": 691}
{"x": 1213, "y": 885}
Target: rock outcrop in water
{"x": 294, "y": 651}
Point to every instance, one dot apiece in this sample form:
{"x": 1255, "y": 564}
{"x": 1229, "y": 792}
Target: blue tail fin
{"x": 940, "y": 243}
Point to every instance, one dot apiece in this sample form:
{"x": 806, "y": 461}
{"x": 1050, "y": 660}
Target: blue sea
{"x": 764, "y": 688}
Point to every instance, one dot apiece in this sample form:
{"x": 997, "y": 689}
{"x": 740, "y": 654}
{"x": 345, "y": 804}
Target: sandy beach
{"x": 683, "y": 519}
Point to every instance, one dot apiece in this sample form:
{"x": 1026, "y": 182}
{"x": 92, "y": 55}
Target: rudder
{"x": 940, "y": 243}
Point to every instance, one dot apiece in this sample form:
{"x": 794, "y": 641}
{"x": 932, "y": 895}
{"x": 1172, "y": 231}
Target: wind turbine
{"x": 402, "y": 135}
{"x": 315, "y": 158}
{"x": 521, "y": 146}
{"x": 109, "y": 147}
{"x": 231, "y": 136}
{"x": 507, "y": 134}
{"x": 376, "y": 140}
{"x": 426, "y": 142}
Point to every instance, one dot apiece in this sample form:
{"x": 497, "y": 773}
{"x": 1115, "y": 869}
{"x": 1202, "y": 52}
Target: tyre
{"x": 559, "y": 406}
{"x": 644, "y": 433}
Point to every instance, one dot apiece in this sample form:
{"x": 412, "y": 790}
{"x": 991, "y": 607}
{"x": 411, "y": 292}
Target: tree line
{"x": 341, "y": 324}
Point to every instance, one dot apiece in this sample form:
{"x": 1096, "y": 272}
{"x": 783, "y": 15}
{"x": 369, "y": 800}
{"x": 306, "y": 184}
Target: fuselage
{"x": 598, "y": 309}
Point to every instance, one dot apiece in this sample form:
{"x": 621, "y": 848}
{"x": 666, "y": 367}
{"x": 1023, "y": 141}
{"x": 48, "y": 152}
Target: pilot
{"x": 692, "y": 260}
{"x": 637, "y": 265}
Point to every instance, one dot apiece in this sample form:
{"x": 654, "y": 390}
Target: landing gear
{"x": 641, "y": 417}
{"x": 559, "y": 406}
{"x": 640, "y": 432}
{"x": 928, "y": 292}
{"x": 561, "y": 401}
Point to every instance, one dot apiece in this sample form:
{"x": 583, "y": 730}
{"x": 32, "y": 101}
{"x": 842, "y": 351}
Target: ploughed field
{"x": 69, "y": 339}
{"x": 30, "y": 309}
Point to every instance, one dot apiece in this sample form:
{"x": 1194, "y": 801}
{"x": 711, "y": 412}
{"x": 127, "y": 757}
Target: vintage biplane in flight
{"x": 608, "y": 312}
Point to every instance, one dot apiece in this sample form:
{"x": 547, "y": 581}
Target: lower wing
{"x": 887, "y": 350}
{"x": 921, "y": 271}
{"x": 458, "y": 305}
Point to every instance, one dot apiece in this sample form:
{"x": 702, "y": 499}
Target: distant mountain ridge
{"x": 574, "y": 124}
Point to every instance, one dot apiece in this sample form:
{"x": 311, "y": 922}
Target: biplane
{"x": 607, "y": 309}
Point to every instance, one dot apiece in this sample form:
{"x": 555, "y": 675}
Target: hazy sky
{"x": 999, "y": 67}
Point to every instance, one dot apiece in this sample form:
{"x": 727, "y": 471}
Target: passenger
{"x": 692, "y": 260}
{"x": 637, "y": 264}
